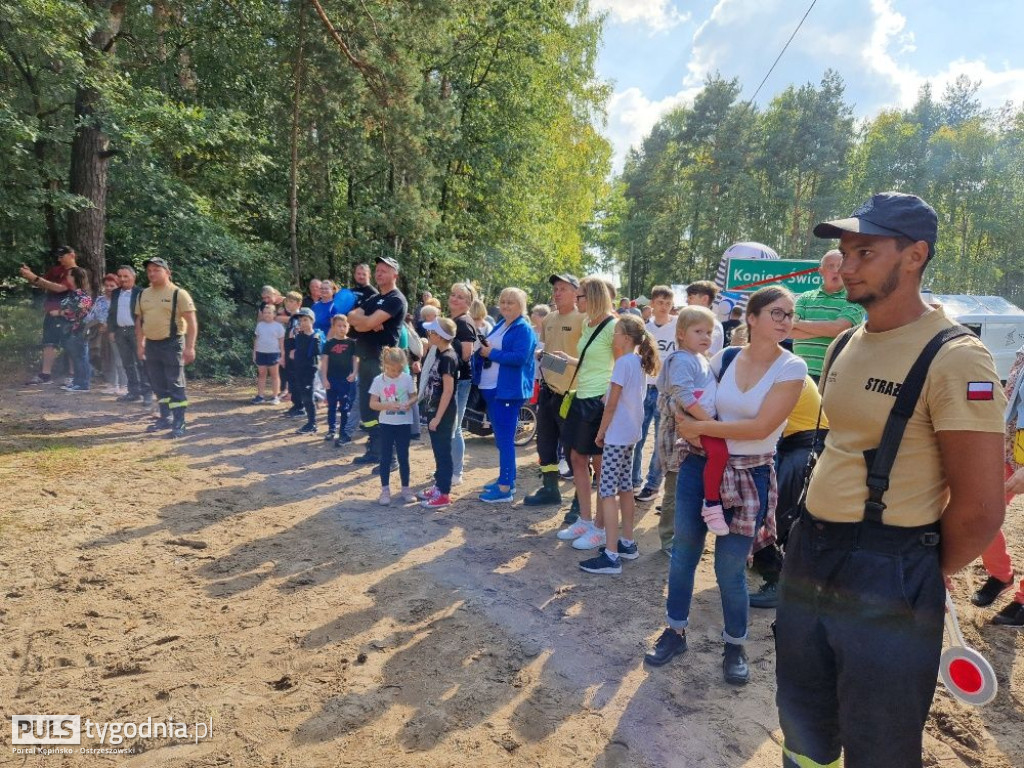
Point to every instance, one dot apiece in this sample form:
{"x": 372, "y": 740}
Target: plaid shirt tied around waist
{"x": 739, "y": 493}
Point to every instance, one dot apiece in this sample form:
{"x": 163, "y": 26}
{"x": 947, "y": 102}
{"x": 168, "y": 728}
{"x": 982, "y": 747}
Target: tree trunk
{"x": 90, "y": 151}
{"x": 293, "y": 176}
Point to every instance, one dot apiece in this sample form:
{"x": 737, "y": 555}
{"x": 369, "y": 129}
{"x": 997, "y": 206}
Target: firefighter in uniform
{"x": 166, "y": 330}
{"x": 861, "y": 601}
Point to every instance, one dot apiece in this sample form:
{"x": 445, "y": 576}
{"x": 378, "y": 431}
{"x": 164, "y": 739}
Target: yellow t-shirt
{"x": 805, "y": 414}
{"x": 561, "y": 334}
{"x": 154, "y": 307}
{"x": 860, "y": 390}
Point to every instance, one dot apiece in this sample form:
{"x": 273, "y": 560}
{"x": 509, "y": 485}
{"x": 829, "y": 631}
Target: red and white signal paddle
{"x": 963, "y": 670}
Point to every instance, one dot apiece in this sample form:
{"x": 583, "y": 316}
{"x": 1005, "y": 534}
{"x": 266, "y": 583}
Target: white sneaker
{"x": 592, "y": 539}
{"x": 563, "y": 467}
{"x": 457, "y": 480}
{"x": 428, "y": 494}
{"x": 385, "y": 497}
{"x": 575, "y": 530}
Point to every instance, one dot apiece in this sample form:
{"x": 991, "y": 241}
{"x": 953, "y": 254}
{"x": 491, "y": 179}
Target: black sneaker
{"x": 343, "y": 439}
{"x": 626, "y": 553}
{"x": 734, "y": 664}
{"x": 601, "y": 564}
{"x": 990, "y": 590}
{"x": 647, "y": 494}
{"x": 128, "y": 399}
{"x": 293, "y": 412}
{"x": 331, "y": 434}
{"x": 1012, "y": 615}
{"x": 366, "y": 458}
{"x": 306, "y": 429}
{"x": 669, "y": 645}
{"x": 766, "y": 597}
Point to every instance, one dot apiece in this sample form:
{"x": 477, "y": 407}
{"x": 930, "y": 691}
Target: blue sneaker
{"x": 497, "y": 496}
{"x": 493, "y": 486}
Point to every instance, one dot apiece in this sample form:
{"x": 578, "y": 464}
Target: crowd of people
{"x": 858, "y": 582}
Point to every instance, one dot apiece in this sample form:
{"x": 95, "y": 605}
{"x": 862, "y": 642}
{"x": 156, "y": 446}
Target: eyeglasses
{"x": 780, "y": 316}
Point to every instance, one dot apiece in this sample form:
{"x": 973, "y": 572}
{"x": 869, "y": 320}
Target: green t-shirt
{"x": 819, "y": 305}
{"x": 596, "y": 371}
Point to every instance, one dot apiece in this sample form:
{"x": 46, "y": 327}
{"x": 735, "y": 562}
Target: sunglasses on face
{"x": 780, "y": 316}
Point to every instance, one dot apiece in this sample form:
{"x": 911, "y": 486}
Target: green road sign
{"x": 748, "y": 275}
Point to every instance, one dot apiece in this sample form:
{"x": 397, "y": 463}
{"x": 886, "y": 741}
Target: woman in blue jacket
{"x": 503, "y": 369}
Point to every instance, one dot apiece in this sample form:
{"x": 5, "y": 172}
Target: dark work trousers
{"x": 302, "y": 392}
{"x": 369, "y": 369}
{"x": 165, "y": 366}
{"x": 127, "y": 346}
{"x": 858, "y": 638}
{"x": 395, "y": 438}
{"x": 549, "y": 428}
{"x": 339, "y": 400}
{"x": 441, "y": 444}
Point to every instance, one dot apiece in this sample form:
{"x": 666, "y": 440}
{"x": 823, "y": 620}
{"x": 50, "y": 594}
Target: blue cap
{"x": 888, "y": 214}
{"x": 306, "y": 312}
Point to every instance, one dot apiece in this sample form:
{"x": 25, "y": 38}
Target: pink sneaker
{"x": 385, "y": 497}
{"x": 714, "y": 517}
{"x": 439, "y": 501}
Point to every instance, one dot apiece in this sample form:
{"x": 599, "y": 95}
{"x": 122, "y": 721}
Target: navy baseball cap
{"x": 889, "y": 214}
{"x": 389, "y": 261}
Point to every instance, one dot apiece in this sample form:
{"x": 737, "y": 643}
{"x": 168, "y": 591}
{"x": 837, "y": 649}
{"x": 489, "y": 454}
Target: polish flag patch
{"x": 980, "y": 390}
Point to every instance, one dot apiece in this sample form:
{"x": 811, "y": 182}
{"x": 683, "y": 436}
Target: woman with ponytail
{"x": 636, "y": 357}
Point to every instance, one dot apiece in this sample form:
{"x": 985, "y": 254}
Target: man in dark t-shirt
{"x": 378, "y": 322}
{"x": 54, "y": 282}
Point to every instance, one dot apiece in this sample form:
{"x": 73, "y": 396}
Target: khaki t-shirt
{"x": 154, "y": 307}
{"x": 860, "y": 390}
{"x": 561, "y": 334}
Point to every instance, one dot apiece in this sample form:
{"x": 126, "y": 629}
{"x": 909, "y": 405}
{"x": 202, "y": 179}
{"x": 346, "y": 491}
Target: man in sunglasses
{"x": 822, "y": 314}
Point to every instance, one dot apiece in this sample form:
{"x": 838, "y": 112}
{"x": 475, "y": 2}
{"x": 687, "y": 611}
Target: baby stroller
{"x": 476, "y": 422}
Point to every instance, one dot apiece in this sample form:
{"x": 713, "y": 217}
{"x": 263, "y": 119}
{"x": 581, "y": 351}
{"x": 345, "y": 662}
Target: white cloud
{"x": 997, "y": 86}
{"x": 659, "y": 15}
{"x": 631, "y": 116}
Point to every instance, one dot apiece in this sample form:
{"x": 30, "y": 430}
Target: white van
{"x": 998, "y": 323}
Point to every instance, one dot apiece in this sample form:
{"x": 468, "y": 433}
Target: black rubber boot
{"x": 734, "y": 665}
{"x": 548, "y": 493}
{"x": 164, "y": 422}
{"x": 177, "y": 423}
{"x": 574, "y": 511}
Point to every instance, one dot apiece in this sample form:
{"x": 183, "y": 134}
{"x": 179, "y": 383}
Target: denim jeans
{"x": 394, "y": 438}
{"x": 76, "y": 346}
{"x": 504, "y": 416}
{"x": 441, "y": 444}
{"x": 731, "y": 552}
{"x": 462, "y": 387}
{"x": 654, "y": 475}
{"x": 340, "y": 396}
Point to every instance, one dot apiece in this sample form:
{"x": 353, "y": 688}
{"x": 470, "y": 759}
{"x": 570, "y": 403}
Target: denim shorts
{"x": 268, "y": 358}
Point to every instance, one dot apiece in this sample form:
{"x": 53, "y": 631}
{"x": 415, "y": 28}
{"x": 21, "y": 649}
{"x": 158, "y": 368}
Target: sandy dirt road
{"x": 244, "y": 576}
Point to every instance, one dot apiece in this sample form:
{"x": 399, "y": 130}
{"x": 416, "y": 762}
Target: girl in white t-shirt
{"x": 267, "y": 354}
{"x": 618, "y": 435}
{"x": 393, "y": 394}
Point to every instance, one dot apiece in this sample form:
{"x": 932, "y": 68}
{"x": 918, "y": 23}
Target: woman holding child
{"x": 503, "y": 369}
{"x": 753, "y": 398}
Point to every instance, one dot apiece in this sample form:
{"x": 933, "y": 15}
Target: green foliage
{"x": 453, "y": 136}
{"x": 719, "y": 171}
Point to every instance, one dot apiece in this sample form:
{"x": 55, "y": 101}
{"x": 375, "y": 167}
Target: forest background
{"x": 251, "y": 142}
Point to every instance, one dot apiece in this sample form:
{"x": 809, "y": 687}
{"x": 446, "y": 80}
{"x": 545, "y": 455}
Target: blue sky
{"x": 656, "y": 53}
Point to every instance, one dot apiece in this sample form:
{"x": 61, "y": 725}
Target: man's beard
{"x": 892, "y": 282}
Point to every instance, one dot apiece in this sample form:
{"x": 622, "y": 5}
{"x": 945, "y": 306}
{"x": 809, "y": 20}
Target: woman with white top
{"x": 756, "y": 394}
{"x": 503, "y": 369}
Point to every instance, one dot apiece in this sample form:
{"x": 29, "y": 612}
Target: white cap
{"x": 437, "y": 328}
